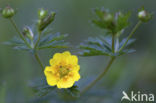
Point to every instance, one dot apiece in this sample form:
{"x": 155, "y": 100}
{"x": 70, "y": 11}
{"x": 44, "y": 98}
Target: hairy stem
{"x": 99, "y": 76}
{"x": 130, "y": 35}
{"x": 39, "y": 61}
{"x": 19, "y": 33}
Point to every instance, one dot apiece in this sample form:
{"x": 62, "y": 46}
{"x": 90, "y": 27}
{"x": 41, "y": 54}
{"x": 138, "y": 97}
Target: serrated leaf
{"x": 113, "y": 23}
{"x": 94, "y": 47}
{"x": 53, "y": 41}
{"x": 126, "y": 51}
{"x": 130, "y": 42}
{"x": 92, "y": 53}
{"x": 21, "y": 48}
{"x": 17, "y": 44}
{"x": 109, "y": 26}
{"x": 14, "y": 42}
{"x": 122, "y": 21}
{"x": 99, "y": 13}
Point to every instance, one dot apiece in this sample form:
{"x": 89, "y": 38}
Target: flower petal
{"x": 76, "y": 68}
{"x": 73, "y": 60}
{"x": 51, "y": 78}
{"x": 65, "y": 83}
{"x": 56, "y": 58}
{"x": 76, "y": 75}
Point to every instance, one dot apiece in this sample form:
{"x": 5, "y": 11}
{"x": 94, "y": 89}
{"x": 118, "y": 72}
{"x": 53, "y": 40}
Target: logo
{"x": 137, "y": 97}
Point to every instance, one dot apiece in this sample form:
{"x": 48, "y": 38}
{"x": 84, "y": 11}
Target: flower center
{"x": 63, "y": 71}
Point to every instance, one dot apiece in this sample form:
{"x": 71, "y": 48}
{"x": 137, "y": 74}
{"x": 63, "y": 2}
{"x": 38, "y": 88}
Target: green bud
{"x": 108, "y": 17}
{"x": 8, "y": 12}
{"x": 43, "y": 23}
{"x": 144, "y": 16}
{"x": 42, "y": 13}
{"x": 28, "y": 32}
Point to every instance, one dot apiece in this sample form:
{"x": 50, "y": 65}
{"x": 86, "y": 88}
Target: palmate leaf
{"x": 53, "y": 41}
{"x": 95, "y": 46}
{"x": 130, "y": 42}
{"x": 17, "y": 44}
{"x": 102, "y": 46}
{"x": 125, "y": 50}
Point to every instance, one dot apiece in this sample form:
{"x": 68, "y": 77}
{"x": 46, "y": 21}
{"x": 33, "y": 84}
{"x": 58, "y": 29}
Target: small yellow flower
{"x": 63, "y": 70}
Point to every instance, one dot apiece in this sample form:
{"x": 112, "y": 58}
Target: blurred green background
{"x": 133, "y": 72}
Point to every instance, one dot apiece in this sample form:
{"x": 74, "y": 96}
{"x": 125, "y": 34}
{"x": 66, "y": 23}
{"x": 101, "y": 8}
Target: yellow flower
{"x": 63, "y": 70}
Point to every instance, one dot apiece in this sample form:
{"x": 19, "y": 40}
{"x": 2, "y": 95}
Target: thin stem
{"x": 99, "y": 76}
{"x": 131, "y": 33}
{"x": 113, "y": 43}
{"x": 21, "y": 36}
{"x": 39, "y": 61}
{"x": 18, "y": 31}
{"x": 39, "y": 37}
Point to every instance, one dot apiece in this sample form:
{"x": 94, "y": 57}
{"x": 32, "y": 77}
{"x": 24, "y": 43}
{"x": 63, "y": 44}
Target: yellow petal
{"x": 51, "y": 78}
{"x": 76, "y": 75}
{"x": 76, "y": 68}
{"x": 66, "y": 53}
{"x": 48, "y": 70}
{"x": 56, "y": 58}
{"x": 69, "y": 82}
{"x": 73, "y": 60}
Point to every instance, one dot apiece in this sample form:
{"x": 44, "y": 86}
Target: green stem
{"x": 21, "y": 36}
{"x": 112, "y": 43}
{"x": 18, "y": 31}
{"x": 130, "y": 35}
{"x": 99, "y": 76}
{"x": 39, "y": 61}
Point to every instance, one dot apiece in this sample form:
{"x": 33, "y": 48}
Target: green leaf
{"x": 55, "y": 44}
{"x": 14, "y": 42}
{"x": 22, "y": 48}
{"x": 126, "y": 51}
{"x": 53, "y": 41}
{"x": 100, "y": 13}
{"x": 41, "y": 88}
{"x": 114, "y": 23}
{"x": 130, "y": 42}
{"x": 122, "y": 21}
{"x": 95, "y": 46}
{"x": 69, "y": 94}
{"x": 17, "y": 44}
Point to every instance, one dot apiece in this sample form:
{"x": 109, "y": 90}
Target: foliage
{"x": 113, "y": 23}
{"x": 102, "y": 46}
{"x": 47, "y": 41}
{"x": 39, "y": 38}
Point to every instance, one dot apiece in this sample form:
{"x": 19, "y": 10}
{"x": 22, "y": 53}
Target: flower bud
{"x": 42, "y": 13}
{"x": 43, "y": 23}
{"x": 8, "y": 12}
{"x": 28, "y": 32}
{"x": 144, "y": 16}
{"x": 108, "y": 17}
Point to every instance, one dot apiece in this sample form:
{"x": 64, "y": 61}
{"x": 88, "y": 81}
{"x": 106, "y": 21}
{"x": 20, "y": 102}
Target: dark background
{"x": 133, "y": 72}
